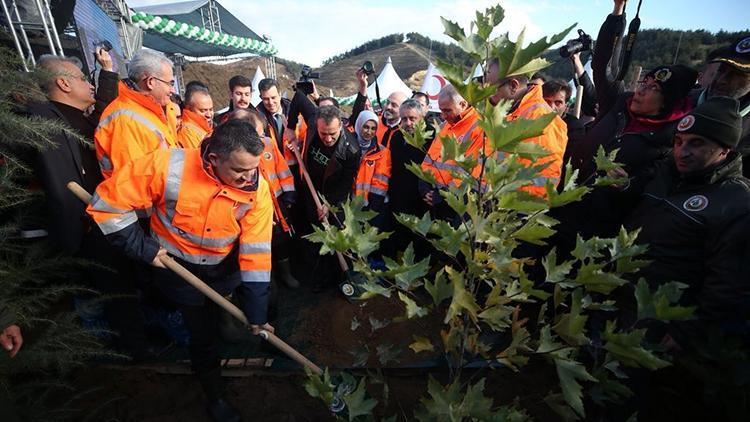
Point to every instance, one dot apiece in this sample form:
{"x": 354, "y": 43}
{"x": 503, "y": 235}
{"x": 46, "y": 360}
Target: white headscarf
{"x": 363, "y": 117}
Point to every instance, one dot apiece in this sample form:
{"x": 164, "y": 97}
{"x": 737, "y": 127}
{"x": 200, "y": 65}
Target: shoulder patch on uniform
{"x": 686, "y": 123}
{"x": 743, "y": 46}
{"x": 695, "y": 203}
{"x": 267, "y": 155}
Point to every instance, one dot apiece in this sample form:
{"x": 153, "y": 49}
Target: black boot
{"x": 283, "y": 272}
{"x": 218, "y": 408}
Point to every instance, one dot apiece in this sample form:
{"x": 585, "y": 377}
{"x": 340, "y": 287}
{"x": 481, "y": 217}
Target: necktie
{"x": 279, "y": 124}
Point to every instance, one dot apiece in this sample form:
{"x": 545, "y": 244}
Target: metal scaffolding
{"x": 210, "y": 16}
{"x": 19, "y": 24}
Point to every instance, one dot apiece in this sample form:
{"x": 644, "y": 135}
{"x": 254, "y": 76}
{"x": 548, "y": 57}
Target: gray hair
{"x": 191, "y": 93}
{"x": 50, "y": 68}
{"x": 328, "y": 114}
{"x": 412, "y": 104}
{"x": 146, "y": 63}
{"x": 449, "y": 92}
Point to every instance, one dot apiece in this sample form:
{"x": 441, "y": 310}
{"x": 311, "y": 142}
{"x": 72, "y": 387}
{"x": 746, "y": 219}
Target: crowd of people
{"x": 228, "y": 195}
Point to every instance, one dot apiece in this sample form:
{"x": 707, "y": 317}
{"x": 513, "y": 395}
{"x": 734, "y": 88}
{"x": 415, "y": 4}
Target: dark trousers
{"x": 202, "y": 322}
{"x": 281, "y": 244}
{"x": 118, "y": 279}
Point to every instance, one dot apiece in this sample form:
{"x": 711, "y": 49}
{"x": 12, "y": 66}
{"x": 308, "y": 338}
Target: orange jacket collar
{"x": 532, "y": 97}
{"x": 145, "y": 101}
{"x": 196, "y": 119}
{"x": 468, "y": 118}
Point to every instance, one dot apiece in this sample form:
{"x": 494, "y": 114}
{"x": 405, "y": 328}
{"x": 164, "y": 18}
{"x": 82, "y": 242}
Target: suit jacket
{"x": 65, "y": 162}
{"x": 271, "y": 126}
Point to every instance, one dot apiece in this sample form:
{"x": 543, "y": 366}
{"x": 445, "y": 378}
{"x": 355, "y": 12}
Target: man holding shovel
{"x": 331, "y": 160}
{"x": 213, "y": 214}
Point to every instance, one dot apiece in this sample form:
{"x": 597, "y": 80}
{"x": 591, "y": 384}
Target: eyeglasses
{"x": 82, "y": 77}
{"x": 169, "y": 83}
{"x": 645, "y": 86}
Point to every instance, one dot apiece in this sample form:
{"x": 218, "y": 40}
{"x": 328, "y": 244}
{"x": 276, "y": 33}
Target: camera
{"x": 305, "y": 81}
{"x": 104, "y": 44}
{"x": 582, "y": 43}
{"x": 368, "y": 68}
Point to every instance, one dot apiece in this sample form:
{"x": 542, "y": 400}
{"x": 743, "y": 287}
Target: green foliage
{"x": 35, "y": 287}
{"x": 356, "y": 402}
{"x": 570, "y": 372}
{"x": 481, "y": 286}
{"x": 455, "y": 403}
{"x": 659, "y": 304}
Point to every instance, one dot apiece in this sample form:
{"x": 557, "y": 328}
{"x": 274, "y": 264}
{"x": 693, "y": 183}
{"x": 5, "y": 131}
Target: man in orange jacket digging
{"x": 213, "y": 213}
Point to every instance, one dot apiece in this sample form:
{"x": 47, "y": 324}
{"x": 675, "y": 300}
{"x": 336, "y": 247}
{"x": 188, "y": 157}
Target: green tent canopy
{"x": 178, "y": 28}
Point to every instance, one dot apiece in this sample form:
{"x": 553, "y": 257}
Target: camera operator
{"x": 389, "y": 117}
{"x": 588, "y": 105}
{"x": 639, "y": 124}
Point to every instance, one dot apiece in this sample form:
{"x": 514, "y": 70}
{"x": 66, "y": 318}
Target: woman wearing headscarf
{"x": 366, "y": 128}
{"x": 375, "y": 166}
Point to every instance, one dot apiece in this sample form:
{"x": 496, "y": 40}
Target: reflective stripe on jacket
{"x": 274, "y": 169}
{"x": 193, "y": 130}
{"x": 465, "y": 130}
{"x": 374, "y": 174}
{"x": 554, "y": 139}
{"x": 132, "y": 126}
{"x": 196, "y": 217}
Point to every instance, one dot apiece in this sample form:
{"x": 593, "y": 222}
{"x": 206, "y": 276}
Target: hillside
{"x": 216, "y": 76}
{"x": 410, "y": 59}
{"x": 407, "y": 59}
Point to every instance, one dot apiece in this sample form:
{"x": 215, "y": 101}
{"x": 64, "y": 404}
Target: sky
{"x": 311, "y": 31}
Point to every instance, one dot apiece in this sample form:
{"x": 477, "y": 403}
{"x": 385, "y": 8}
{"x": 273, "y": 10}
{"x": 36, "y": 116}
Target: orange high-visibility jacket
{"x": 554, "y": 139}
{"x": 274, "y": 169}
{"x": 132, "y": 126}
{"x": 374, "y": 175}
{"x": 465, "y": 130}
{"x": 194, "y": 128}
{"x": 301, "y": 134}
{"x": 383, "y": 129}
{"x": 197, "y": 218}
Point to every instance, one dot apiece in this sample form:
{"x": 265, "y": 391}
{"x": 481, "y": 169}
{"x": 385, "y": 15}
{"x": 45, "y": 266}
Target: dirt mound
{"x": 346, "y": 334}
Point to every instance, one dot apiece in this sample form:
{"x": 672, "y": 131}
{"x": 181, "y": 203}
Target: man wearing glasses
{"x": 140, "y": 120}
{"x": 71, "y": 97}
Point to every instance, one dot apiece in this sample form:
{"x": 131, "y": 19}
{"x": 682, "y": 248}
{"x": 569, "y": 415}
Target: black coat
{"x": 68, "y": 161}
{"x": 697, "y": 228}
{"x": 637, "y": 150}
{"x": 338, "y": 179}
{"x": 339, "y": 175}
{"x": 403, "y": 189}
{"x": 598, "y": 213}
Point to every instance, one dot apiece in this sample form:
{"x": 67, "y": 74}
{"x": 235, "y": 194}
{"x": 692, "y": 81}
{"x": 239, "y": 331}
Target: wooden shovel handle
{"x": 220, "y": 300}
{"x": 305, "y": 175}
